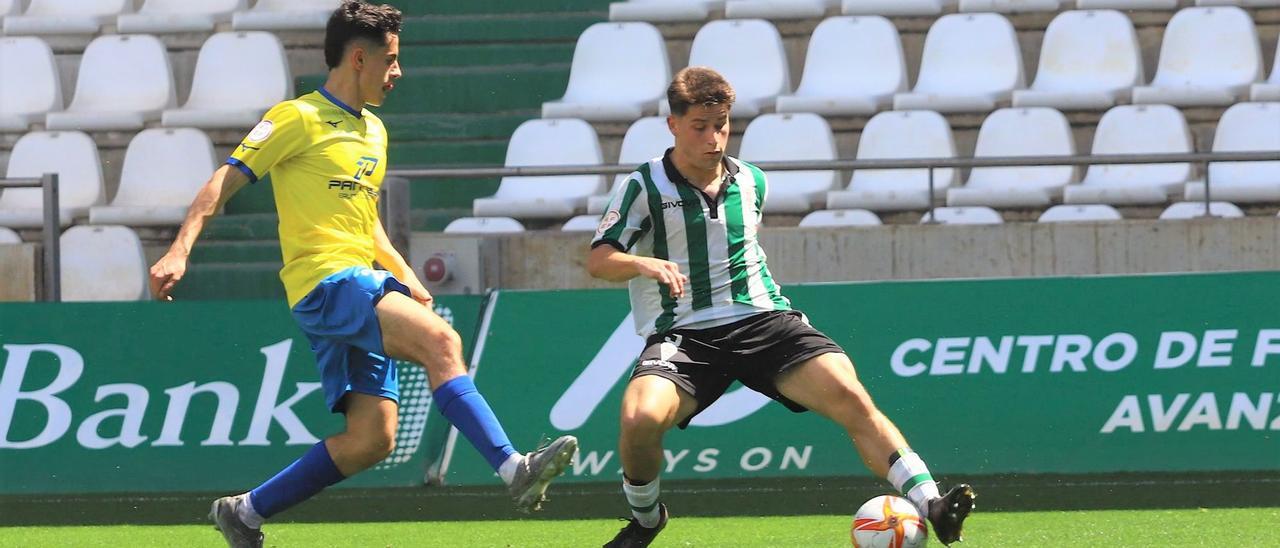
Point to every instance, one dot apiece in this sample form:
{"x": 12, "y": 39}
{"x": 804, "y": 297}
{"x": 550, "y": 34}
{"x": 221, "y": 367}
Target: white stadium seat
{"x": 620, "y": 71}
{"x": 749, "y": 54}
{"x": 899, "y": 135}
{"x": 1269, "y": 90}
{"x": 8, "y": 236}
{"x": 484, "y": 225}
{"x": 65, "y": 16}
{"x": 973, "y": 215}
{"x": 1079, "y": 213}
{"x": 1035, "y": 131}
{"x": 285, "y": 15}
{"x": 10, "y": 7}
{"x": 896, "y": 7}
{"x": 166, "y": 16}
{"x": 854, "y": 66}
{"x": 582, "y": 223}
{"x": 1089, "y": 60}
{"x": 840, "y": 217}
{"x": 1194, "y": 210}
{"x": 1245, "y": 3}
{"x": 557, "y": 142}
{"x": 787, "y": 137}
{"x": 103, "y": 263}
{"x": 1008, "y": 6}
{"x": 1209, "y": 57}
{"x": 70, "y": 154}
{"x": 163, "y": 170}
{"x": 663, "y": 10}
{"x": 125, "y": 81}
{"x": 28, "y": 60}
{"x": 971, "y": 62}
{"x": 239, "y": 75}
{"x": 1135, "y": 129}
{"x": 645, "y": 139}
{"x": 1127, "y": 4}
{"x": 777, "y": 9}
{"x": 1244, "y": 127}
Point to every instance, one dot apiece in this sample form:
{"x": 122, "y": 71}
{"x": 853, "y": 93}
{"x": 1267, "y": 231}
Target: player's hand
{"x": 665, "y": 272}
{"x": 420, "y": 293}
{"x": 166, "y": 273}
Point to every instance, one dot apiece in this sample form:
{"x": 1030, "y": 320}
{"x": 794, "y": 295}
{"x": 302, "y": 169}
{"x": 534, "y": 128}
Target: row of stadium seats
{"x": 161, "y": 16}
{"x": 967, "y": 215}
{"x": 99, "y": 263}
{"x": 1034, "y": 131}
{"x": 125, "y": 82}
{"x": 698, "y": 10}
{"x": 1210, "y": 56}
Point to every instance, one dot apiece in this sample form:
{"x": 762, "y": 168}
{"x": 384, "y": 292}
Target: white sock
{"x": 247, "y": 514}
{"x": 644, "y": 502}
{"x": 507, "y": 471}
{"x": 910, "y": 476}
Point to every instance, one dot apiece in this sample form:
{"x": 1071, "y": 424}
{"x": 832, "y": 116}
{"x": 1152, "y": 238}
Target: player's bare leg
{"x": 370, "y": 435}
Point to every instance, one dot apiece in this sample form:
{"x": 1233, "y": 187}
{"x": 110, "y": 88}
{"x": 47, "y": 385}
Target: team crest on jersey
{"x": 261, "y": 131}
{"x": 611, "y": 218}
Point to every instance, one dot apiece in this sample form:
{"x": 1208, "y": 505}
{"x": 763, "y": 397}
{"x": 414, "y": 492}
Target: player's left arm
{"x": 393, "y": 262}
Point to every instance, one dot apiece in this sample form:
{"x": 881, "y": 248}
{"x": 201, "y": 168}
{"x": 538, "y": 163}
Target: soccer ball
{"x": 888, "y": 522}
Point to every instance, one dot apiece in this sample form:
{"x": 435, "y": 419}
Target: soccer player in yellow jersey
{"x": 326, "y": 155}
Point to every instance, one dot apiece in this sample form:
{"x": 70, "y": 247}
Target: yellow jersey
{"x": 326, "y": 161}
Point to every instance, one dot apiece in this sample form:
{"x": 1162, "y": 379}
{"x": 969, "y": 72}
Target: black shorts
{"x": 753, "y": 351}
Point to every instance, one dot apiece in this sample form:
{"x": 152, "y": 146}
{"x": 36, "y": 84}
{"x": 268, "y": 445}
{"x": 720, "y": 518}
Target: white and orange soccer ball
{"x": 888, "y": 522}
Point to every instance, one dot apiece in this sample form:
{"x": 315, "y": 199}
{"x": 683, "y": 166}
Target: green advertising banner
{"x": 1061, "y": 375}
{"x": 184, "y": 396}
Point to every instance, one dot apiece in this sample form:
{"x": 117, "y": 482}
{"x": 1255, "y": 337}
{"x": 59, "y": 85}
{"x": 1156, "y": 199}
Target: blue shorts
{"x": 338, "y": 317}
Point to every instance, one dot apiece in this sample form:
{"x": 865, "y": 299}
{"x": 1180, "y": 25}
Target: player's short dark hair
{"x": 698, "y": 86}
{"x": 358, "y": 20}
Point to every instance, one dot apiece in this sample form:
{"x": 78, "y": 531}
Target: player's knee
{"x": 641, "y": 422}
{"x": 441, "y": 339}
{"x": 378, "y": 447}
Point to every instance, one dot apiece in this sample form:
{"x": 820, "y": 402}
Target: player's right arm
{"x": 607, "y": 263}
{"x": 623, "y": 224}
{"x": 166, "y": 273}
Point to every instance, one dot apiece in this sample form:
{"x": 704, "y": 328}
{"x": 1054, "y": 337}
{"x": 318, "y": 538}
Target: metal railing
{"x": 51, "y": 254}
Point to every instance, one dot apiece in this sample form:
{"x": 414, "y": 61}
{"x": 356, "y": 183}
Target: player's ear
{"x": 358, "y": 57}
{"x": 671, "y": 123}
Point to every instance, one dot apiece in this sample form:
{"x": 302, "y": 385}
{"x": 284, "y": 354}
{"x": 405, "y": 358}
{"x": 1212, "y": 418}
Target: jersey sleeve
{"x": 279, "y": 136}
{"x": 627, "y": 218}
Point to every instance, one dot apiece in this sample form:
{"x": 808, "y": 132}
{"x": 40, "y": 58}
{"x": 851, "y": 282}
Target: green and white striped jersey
{"x": 658, "y": 213}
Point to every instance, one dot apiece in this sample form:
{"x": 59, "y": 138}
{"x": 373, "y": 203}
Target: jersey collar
{"x": 338, "y": 102}
{"x": 674, "y": 175}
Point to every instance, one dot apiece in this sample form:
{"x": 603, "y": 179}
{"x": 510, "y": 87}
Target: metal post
{"x": 393, "y": 208}
{"x": 52, "y": 239}
{"x": 932, "y": 219}
{"x": 1207, "y": 168}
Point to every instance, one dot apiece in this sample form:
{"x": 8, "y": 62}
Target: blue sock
{"x": 298, "y": 482}
{"x": 459, "y": 402}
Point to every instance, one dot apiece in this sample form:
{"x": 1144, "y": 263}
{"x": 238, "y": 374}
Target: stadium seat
{"x": 8, "y": 236}
{"x": 663, "y": 10}
{"x": 854, "y": 66}
{"x": 1194, "y": 210}
{"x": 103, "y": 263}
{"x": 70, "y": 154}
{"x": 65, "y": 16}
{"x": 28, "y": 60}
{"x": 749, "y": 53}
{"x": 1244, "y": 127}
{"x": 784, "y": 137}
{"x": 1008, "y": 6}
{"x": 238, "y": 76}
{"x": 1245, "y": 3}
{"x": 163, "y": 170}
{"x": 285, "y": 15}
{"x": 1127, "y": 4}
{"x": 646, "y": 139}
{"x": 1079, "y": 213}
{"x": 1269, "y": 90}
{"x": 1088, "y": 60}
{"x": 582, "y": 223}
{"x": 1209, "y": 57}
{"x": 607, "y": 55}
{"x": 167, "y": 16}
{"x": 484, "y": 225}
{"x": 898, "y": 135}
{"x": 840, "y": 217}
{"x": 971, "y": 63}
{"x": 1135, "y": 129}
{"x": 973, "y": 215}
{"x": 125, "y": 81}
{"x": 1035, "y": 131}
{"x": 777, "y": 9}
{"x": 895, "y": 7}
{"x": 10, "y": 7}
{"x": 557, "y": 142}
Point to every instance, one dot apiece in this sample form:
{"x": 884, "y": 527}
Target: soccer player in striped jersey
{"x": 327, "y": 155}
{"x": 683, "y": 232}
